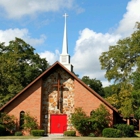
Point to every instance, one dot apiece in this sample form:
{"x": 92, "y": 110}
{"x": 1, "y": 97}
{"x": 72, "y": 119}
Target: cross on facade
{"x": 59, "y": 96}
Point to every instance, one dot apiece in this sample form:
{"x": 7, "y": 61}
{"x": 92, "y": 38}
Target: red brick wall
{"x": 28, "y": 101}
{"x": 85, "y": 99}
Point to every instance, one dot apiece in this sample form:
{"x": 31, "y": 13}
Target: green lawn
{"x": 94, "y": 138}
{"x": 69, "y": 138}
{"x": 19, "y": 137}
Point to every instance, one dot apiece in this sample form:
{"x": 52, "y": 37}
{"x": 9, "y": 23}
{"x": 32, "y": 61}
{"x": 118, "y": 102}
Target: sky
{"x": 92, "y": 26}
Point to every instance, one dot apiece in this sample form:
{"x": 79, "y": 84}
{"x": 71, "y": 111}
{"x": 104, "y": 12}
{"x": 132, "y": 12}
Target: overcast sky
{"x": 92, "y": 26}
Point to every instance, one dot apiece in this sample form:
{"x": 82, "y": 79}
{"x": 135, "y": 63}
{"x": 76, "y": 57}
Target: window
{"x": 92, "y": 112}
{"x": 21, "y": 119}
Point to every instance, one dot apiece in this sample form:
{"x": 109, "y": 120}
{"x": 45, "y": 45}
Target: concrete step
{"x": 55, "y": 135}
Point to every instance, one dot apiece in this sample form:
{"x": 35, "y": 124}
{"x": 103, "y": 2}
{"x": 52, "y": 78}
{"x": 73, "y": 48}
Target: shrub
{"x": 111, "y": 132}
{"x": 18, "y": 133}
{"x": 99, "y": 119}
{"x": 30, "y": 122}
{"x": 127, "y": 130}
{"x": 2, "y": 130}
{"x": 70, "y": 133}
{"x": 91, "y": 135}
{"x": 80, "y": 121}
{"x": 37, "y": 132}
{"x": 8, "y": 121}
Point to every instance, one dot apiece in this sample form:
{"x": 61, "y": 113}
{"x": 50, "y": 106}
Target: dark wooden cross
{"x": 59, "y": 96}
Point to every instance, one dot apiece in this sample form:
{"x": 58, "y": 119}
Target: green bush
{"x": 8, "y": 121}
{"x": 111, "y": 132}
{"x": 70, "y": 133}
{"x": 80, "y": 121}
{"x": 18, "y": 133}
{"x": 30, "y": 122}
{"x": 91, "y": 135}
{"x": 127, "y": 130}
{"x": 2, "y": 130}
{"x": 99, "y": 119}
{"x": 37, "y": 132}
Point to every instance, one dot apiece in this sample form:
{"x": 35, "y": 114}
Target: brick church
{"x": 53, "y": 96}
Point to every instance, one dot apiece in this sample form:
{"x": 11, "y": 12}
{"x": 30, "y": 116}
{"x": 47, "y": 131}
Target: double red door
{"x": 58, "y": 123}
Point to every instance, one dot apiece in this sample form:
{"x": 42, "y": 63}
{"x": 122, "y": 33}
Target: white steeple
{"x": 65, "y": 57}
{"x": 65, "y": 41}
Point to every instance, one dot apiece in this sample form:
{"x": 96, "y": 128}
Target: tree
{"x": 96, "y": 85}
{"x": 122, "y": 65}
{"x": 126, "y": 101}
{"x": 19, "y": 66}
{"x": 136, "y": 80}
{"x": 99, "y": 119}
{"x": 136, "y": 94}
{"x": 30, "y": 122}
{"x": 114, "y": 100}
{"x": 111, "y": 90}
{"x": 136, "y": 103}
{"x": 123, "y": 58}
{"x": 8, "y": 121}
{"x": 79, "y": 119}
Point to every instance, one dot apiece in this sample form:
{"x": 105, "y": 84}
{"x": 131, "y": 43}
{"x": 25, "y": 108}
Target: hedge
{"x": 112, "y": 132}
{"x": 18, "y": 133}
{"x": 70, "y": 133}
{"x": 127, "y": 130}
{"x": 37, "y": 132}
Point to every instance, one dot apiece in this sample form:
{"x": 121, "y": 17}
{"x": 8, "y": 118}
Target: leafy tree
{"x": 126, "y": 101}
{"x": 136, "y": 103}
{"x": 79, "y": 120}
{"x": 136, "y": 80}
{"x": 112, "y": 95}
{"x": 8, "y": 121}
{"x": 114, "y": 100}
{"x": 122, "y": 65}
{"x": 123, "y": 58}
{"x": 137, "y": 113}
{"x": 30, "y": 122}
{"x": 112, "y": 89}
{"x": 136, "y": 94}
{"x": 123, "y": 100}
{"x": 19, "y": 66}
{"x": 96, "y": 85}
{"x": 99, "y": 119}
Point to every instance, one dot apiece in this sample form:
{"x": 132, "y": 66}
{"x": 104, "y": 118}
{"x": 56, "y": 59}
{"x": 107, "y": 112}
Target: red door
{"x": 58, "y": 123}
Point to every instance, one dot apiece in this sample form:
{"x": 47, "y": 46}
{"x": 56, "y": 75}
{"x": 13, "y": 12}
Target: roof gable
{"x": 47, "y": 72}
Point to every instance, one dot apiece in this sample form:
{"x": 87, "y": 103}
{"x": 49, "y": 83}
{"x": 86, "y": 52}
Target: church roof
{"x": 47, "y": 72}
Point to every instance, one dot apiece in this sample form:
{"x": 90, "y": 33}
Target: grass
{"x": 87, "y": 138}
{"x": 97, "y": 138}
{"x": 94, "y": 138}
{"x": 71, "y": 138}
{"x": 137, "y": 134}
{"x": 68, "y": 138}
{"x": 19, "y": 137}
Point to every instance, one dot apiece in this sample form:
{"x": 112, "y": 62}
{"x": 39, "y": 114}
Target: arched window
{"x": 92, "y": 112}
{"x": 21, "y": 119}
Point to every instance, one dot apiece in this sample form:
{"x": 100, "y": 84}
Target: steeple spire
{"x": 65, "y": 41}
{"x": 65, "y": 57}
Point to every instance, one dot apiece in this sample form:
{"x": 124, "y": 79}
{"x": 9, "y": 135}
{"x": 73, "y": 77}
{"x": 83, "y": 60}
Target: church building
{"x": 53, "y": 96}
